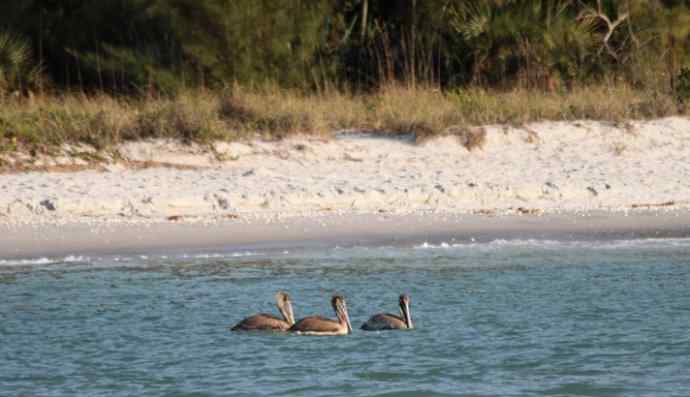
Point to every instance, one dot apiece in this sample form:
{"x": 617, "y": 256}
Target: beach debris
{"x": 529, "y": 211}
{"x": 218, "y": 201}
{"x": 593, "y": 191}
{"x": 249, "y": 173}
{"x": 174, "y": 218}
{"x": 652, "y": 205}
{"x": 48, "y": 204}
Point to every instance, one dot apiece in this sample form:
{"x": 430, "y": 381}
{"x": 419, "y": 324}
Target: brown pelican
{"x": 385, "y": 321}
{"x": 317, "y": 325}
{"x": 267, "y": 322}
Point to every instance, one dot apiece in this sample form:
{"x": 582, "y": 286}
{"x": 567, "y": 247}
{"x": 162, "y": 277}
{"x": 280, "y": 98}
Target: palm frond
{"x": 16, "y": 68}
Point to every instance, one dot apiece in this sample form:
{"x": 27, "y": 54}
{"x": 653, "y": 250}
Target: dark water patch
{"x": 415, "y": 393}
{"x": 381, "y": 376}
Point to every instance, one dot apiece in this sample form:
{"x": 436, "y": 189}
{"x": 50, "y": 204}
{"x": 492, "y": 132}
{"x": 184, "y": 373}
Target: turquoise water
{"x": 498, "y": 318}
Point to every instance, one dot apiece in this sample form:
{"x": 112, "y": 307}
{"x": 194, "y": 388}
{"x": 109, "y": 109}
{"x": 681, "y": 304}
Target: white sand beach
{"x": 535, "y": 170}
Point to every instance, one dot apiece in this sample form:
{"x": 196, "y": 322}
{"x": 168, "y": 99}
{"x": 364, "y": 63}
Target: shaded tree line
{"x": 163, "y": 46}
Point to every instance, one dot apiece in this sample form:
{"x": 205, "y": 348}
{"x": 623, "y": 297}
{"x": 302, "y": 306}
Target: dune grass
{"x": 44, "y": 124}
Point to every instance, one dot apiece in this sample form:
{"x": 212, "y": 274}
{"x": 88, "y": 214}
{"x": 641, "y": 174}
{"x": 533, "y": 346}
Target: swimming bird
{"x": 267, "y": 322}
{"x": 317, "y": 325}
{"x": 385, "y": 321}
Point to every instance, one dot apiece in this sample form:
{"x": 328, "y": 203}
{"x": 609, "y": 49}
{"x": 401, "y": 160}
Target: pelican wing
{"x": 262, "y": 322}
{"x": 317, "y": 324}
{"x": 384, "y": 321}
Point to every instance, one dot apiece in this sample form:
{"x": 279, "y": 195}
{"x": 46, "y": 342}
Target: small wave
{"x": 648, "y": 243}
{"x": 26, "y": 262}
{"x": 217, "y": 255}
{"x": 79, "y": 259}
{"x": 498, "y": 243}
{"x": 75, "y": 259}
{"x": 43, "y": 261}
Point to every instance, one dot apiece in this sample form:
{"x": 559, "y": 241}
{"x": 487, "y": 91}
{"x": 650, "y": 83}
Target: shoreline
{"x": 541, "y": 179}
{"x": 32, "y": 241}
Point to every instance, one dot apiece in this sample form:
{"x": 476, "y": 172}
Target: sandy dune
{"x": 541, "y": 168}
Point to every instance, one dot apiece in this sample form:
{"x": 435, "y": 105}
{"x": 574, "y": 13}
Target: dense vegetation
{"x": 216, "y": 69}
{"x": 166, "y": 45}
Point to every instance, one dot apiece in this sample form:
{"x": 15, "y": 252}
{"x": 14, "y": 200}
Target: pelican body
{"x": 267, "y": 322}
{"x": 317, "y": 325}
{"x": 386, "y": 321}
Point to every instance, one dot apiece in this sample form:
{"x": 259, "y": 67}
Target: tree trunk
{"x": 672, "y": 62}
{"x": 413, "y": 46}
{"x": 365, "y": 12}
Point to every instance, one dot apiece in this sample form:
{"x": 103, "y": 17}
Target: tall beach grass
{"x": 43, "y": 124}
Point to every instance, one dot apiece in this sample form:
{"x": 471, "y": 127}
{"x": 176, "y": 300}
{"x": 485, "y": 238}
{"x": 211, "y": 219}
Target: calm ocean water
{"x": 500, "y": 318}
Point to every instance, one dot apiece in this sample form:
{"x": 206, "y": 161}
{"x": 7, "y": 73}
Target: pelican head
{"x": 285, "y": 306}
{"x": 338, "y": 303}
{"x": 404, "y": 302}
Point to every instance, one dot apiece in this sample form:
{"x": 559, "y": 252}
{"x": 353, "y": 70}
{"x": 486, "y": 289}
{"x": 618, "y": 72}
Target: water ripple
{"x": 503, "y": 318}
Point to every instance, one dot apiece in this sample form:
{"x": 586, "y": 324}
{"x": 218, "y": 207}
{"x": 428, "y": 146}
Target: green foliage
{"x": 17, "y": 71}
{"x": 158, "y": 47}
{"x": 165, "y": 45}
{"x": 528, "y": 41}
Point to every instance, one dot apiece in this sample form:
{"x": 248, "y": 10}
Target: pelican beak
{"x": 346, "y": 317}
{"x": 408, "y": 316}
{"x": 289, "y": 312}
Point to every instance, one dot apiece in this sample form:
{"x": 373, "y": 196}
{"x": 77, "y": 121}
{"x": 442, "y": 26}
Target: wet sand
{"x": 32, "y": 241}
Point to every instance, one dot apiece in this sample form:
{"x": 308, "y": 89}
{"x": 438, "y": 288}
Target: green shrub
{"x": 17, "y": 72}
